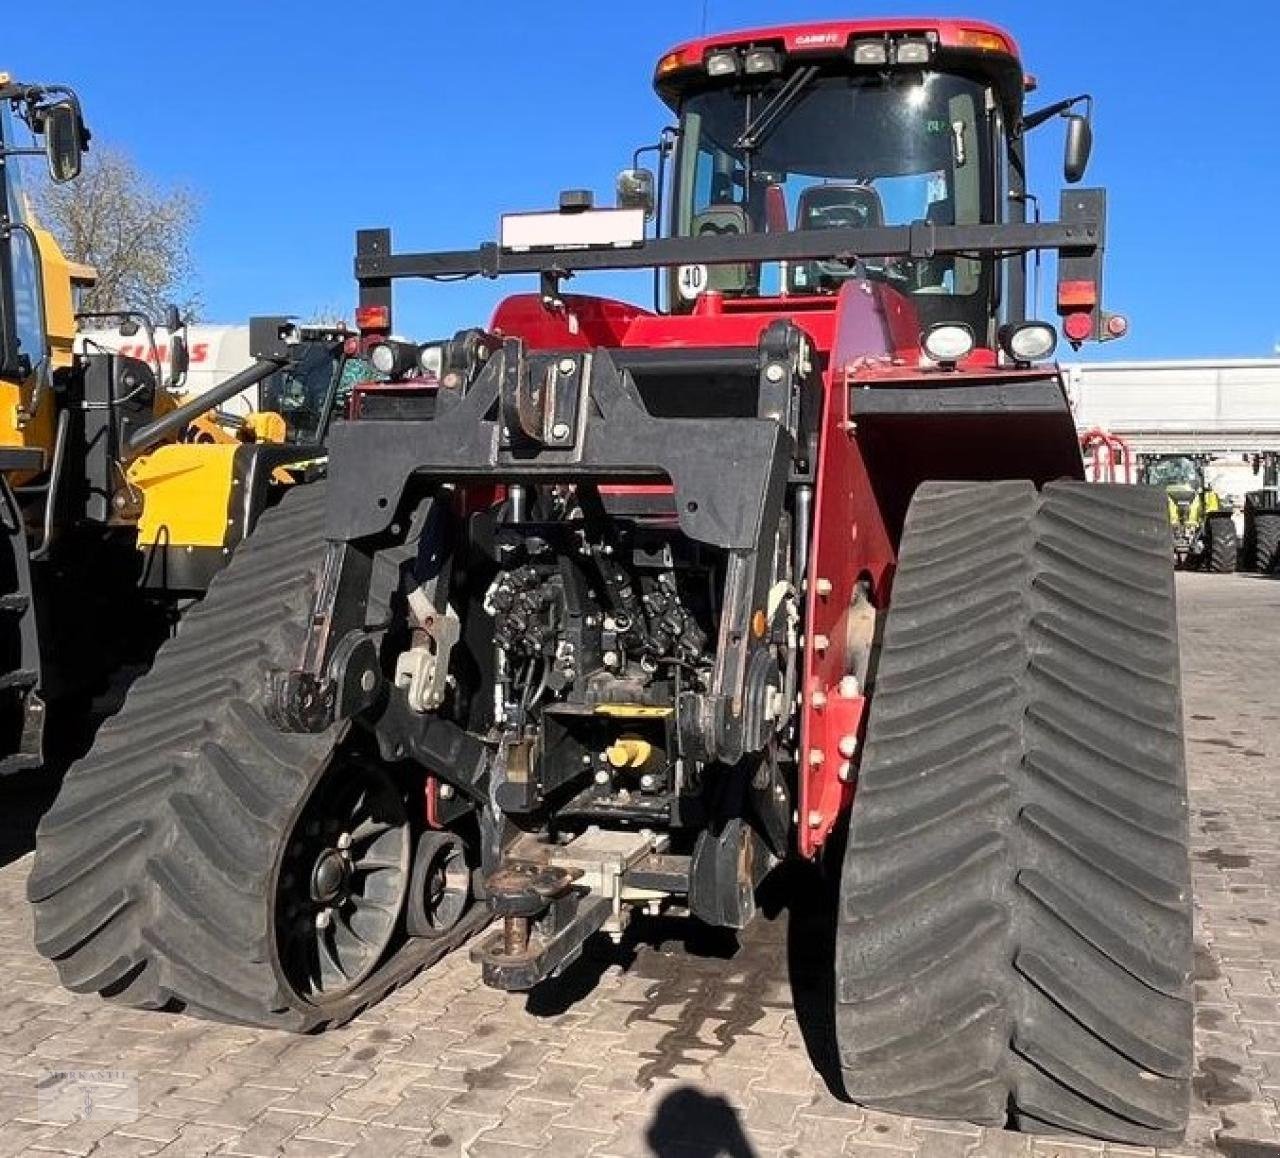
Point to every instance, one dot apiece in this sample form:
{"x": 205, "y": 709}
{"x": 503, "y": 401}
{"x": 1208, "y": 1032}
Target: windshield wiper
{"x": 761, "y": 124}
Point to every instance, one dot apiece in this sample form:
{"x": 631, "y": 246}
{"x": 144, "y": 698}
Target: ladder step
{"x": 14, "y": 602}
{"x": 19, "y": 762}
{"x": 21, "y": 678}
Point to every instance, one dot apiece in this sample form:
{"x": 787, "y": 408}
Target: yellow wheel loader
{"x": 117, "y": 505}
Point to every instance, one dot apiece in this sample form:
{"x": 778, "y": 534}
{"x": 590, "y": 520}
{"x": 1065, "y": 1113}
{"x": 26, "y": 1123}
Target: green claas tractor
{"x": 1204, "y": 533}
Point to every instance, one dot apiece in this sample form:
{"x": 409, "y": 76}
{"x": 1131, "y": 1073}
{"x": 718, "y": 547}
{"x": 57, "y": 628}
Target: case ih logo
{"x": 817, "y": 39}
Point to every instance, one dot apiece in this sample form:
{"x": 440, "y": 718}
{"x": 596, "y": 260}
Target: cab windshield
{"x": 308, "y": 394}
{"x": 22, "y": 331}
{"x": 1177, "y": 471}
{"x": 844, "y": 152}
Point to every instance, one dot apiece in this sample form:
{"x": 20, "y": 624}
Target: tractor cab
{"x": 1204, "y": 534}
{"x": 850, "y": 126}
{"x": 1179, "y": 474}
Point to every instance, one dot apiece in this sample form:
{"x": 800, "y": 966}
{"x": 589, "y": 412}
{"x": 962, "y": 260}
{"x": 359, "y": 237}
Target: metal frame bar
{"x": 376, "y": 265}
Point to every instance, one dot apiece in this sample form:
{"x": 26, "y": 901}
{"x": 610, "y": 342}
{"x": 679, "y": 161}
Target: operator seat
{"x": 832, "y": 206}
{"x": 717, "y": 220}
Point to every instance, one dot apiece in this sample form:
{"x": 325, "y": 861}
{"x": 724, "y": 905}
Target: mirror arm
{"x": 1036, "y": 119}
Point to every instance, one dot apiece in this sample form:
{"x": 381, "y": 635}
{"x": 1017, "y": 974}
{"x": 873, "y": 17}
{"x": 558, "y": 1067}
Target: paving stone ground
{"x": 697, "y": 1047}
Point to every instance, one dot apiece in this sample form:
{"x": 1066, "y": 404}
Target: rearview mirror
{"x": 179, "y": 355}
{"x": 1079, "y": 146}
{"x": 179, "y": 359}
{"x": 63, "y": 140}
{"x": 635, "y": 189}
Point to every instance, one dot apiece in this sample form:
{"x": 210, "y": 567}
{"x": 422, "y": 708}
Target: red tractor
{"x": 607, "y": 607}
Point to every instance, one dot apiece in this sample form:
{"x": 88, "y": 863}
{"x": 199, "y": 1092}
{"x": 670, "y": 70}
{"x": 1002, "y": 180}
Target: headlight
{"x": 870, "y": 52}
{"x": 431, "y": 360}
{"x": 911, "y": 52}
{"x": 762, "y": 60}
{"x": 392, "y": 358}
{"x": 722, "y": 64}
{"x": 948, "y": 342}
{"x": 1028, "y": 341}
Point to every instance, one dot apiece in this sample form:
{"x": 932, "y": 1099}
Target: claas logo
{"x": 199, "y": 352}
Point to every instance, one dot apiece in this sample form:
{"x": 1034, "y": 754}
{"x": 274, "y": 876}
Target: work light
{"x": 1028, "y": 341}
{"x": 911, "y": 52}
{"x": 722, "y": 64}
{"x": 948, "y": 342}
{"x": 762, "y": 60}
{"x": 393, "y": 358}
{"x": 870, "y": 52}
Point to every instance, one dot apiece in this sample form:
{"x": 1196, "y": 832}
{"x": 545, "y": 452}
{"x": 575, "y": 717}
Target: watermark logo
{"x": 87, "y": 1096}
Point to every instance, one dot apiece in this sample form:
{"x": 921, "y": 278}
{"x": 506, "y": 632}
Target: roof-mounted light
{"x": 762, "y": 61}
{"x": 870, "y": 52}
{"x": 947, "y": 342}
{"x": 912, "y": 51}
{"x": 724, "y": 63}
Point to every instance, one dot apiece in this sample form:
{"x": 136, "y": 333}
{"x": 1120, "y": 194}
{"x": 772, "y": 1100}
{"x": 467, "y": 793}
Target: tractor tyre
{"x": 1014, "y": 940}
{"x": 1222, "y": 545}
{"x": 199, "y": 859}
{"x": 1266, "y": 542}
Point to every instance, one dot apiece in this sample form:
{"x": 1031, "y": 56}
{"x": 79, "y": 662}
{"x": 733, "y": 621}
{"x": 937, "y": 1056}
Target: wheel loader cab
{"x": 881, "y": 131}
{"x": 307, "y": 393}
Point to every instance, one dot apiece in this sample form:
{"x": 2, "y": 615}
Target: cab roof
{"x": 975, "y": 38}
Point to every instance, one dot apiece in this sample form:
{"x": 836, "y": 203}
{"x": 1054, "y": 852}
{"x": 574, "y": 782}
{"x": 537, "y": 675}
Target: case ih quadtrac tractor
{"x": 606, "y": 607}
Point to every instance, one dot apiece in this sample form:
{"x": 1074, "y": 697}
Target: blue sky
{"x": 296, "y": 123}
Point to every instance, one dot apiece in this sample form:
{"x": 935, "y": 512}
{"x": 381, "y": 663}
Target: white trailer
{"x": 216, "y": 353}
{"x": 1228, "y": 410}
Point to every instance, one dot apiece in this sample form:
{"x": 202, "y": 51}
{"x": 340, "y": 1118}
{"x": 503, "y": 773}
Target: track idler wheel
{"x": 439, "y": 885}
{"x": 343, "y": 880}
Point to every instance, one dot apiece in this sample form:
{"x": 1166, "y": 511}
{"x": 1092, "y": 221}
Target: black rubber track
{"x": 1223, "y": 546}
{"x": 1014, "y": 942}
{"x": 154, "y": 866}
{"x": 1266, "y": 543}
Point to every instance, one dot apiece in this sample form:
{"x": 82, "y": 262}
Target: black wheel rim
{"x": 446, "y": 886}
{"x": 342, "y": 881}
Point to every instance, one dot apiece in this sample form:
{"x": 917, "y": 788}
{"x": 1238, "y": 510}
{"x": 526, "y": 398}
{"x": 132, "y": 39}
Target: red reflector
{"x": 1078, "y": 326}
{"x": 1077, "y": 295}
{"x": 373, "y": 318}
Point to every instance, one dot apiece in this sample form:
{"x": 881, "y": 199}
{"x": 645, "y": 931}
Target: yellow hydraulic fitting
{"x": 629, "y": 752}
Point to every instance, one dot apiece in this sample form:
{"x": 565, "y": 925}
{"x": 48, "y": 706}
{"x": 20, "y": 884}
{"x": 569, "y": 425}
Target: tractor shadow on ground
{"x": 808, "y": 900}
{"x": 27, "y": 798}
{"x": 691, "y": 1124}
